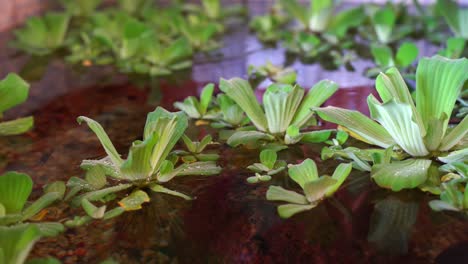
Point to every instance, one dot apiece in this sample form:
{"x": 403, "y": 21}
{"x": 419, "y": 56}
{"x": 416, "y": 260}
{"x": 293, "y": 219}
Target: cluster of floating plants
{"x": 411, "y": 140}
{"x": 136, "y": 36}
{"x": 327, "y": 33}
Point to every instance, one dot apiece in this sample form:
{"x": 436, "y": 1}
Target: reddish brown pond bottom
{"x": 229, "y": 221}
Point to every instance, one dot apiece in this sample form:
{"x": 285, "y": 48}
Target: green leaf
{"x": 438, "y": 205}
{"x": 16, "y": 242}
{"x": 57, "y": 187}
{"x": 206, "y": 140}
{"x": 317, "y": 189}
{"x": 406, "y": 54}
{"x": 200, "y": 168}
{"x": 361, "y": 126}
{"x": 96, "y": 177}
{"x": 268, "y": 158}
{"x": 438, "y": 84}
{"x": 16, "y": 127}
{"x": 281, "y": 102}
{"x": 50, "y": 229}
{"x": 303, "y": 172}
{"x": 162, "y": 189}
{"x": 190, "y": 106}
{"x": 134, "y": 200}
{"x": 316, "y": 136}
{"x": 316, "y": 96}
{"x": 248, "y": 138}
{"x": 169, "y": 127}
{"x": 13, "y": 91}
{"x": 400, "y": 175}
{"x": 138, "y": 164}
{"x": 455, "y": 135}
{"x": 278, "y": 193}
{"x": 15, "y": 189}
{"x": 288, "y": 210}
{"x": 397, "y": 119}
{"x": 205, "y": 98}
{"x": 41, "y": 203}
{"x": 345, "y": 20}
{"x": 93, "y": 211}
{"x": 240, "y": 91}
{"x": 104, "y": 139}
{"x": 384, "y": 22}
{"x": 383, "y": 55}
{"x": 456, "y": 156}
{"x": 340, "y": 174}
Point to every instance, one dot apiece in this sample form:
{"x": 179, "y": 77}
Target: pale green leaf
{"x": 397, "y": 119}
{"x": 103, "y": 138}
{"x": 406, "y": 54}
{"x": 316, "y": 136}
{"x": 240, "y": 91}
{"x": 383, "y": 55}
{"x": 138, "y": 165}
{"x": 162, "y": 189}
{"x": 357, "y": 123}
{"x": 17, "y": 126}
{"x": 169, "y": 127}
{"x": 15, "y": 189}
{"x": 303, "y": 172}
{"x": 288, "y": 210}
{"x": 400, "y": 175}
{"x": 16, "y": 242}
{"x": 205, "y": 97}
{"x": 281, "y": 102}
{"x": 13, "y": 91}
{"x": 317, "y": 189}
{"x": 268, "y": 158}
{"x": 455, "y": 135}
{"x": 248, "y": 137}
{"x": 93, "y": 211}
{"x": 438, "y": 84}
{"x": 134, "y": 200}
{"x": 316, "y": 96}
{"x": 340, "y": 174}
{"x": 456, "y": 156}
{"x": 200, "y": 168}
{"x": 278, "y": 193}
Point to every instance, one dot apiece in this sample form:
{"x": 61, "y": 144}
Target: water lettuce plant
{"x": 384, "y": 58}
{"x": 454, "y": 48}
{"x": 195, "y": 150}
{"x": 277, "y": 74}
{"x": 285, "y": 111}
{"x": 80, "y": 8}
{"x": 42, "y": 35}
{"x": 13, "y": 91}
{"x": 416, "y": 129}
{"x": 269, "y": 165}
{"x": 454, "y": 196}
{"x": 148, "y": 165}
{"x": 198, "y": 109}
{"x": 321, "y": 16}
{"x": 315, "y": 188}
{"x": 383, "y": 21}
{"x": 16, "y": 242}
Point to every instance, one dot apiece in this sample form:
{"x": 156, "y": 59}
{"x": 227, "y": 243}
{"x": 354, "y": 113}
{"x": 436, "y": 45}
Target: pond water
{"x": 230, "y": 221}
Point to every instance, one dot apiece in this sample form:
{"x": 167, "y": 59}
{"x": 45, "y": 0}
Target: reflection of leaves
{"x": 391, "y": 224}
{"x": 35, "y": 68}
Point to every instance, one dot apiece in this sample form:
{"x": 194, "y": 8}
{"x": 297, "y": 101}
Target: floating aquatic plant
{"x": 417, "y": 130}
{"x": 148, "y": 164}
{"x": 384, "y": 58}
{"x": 454, "y": 48}
{"x": 42, "y": 35}
{"x": 195, "y": 150}
{"x": 80, "y": 8}
{"x": 269, "y": 165}
{"x": 284, "y": 113}
{"x": 278, "y": 74}
{"x": 454, "y": 196}
{"x": 13, "y": 91}
{"x": 315, "y": 188}
{"x": 198, "y": 109}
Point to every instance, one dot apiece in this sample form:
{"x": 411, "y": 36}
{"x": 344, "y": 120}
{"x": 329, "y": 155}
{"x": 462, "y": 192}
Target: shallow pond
{"x": 230, "y": 221}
